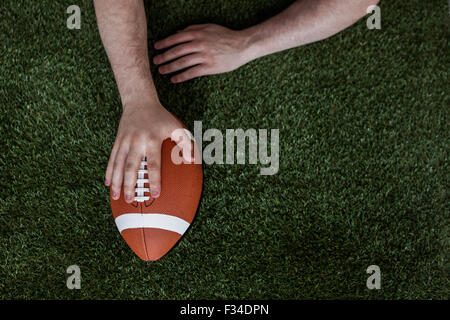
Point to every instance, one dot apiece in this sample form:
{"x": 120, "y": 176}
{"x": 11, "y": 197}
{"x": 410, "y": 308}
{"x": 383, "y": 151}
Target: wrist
{"x": 141, "y": 101}
{"x": 253, "y": 43}
{"x": 141, "y": 94}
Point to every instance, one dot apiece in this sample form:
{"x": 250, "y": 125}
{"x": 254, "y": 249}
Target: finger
{"x": 195, "y": 27}
{"x": 131, "y": 167}
{"x": 182, "y": 63}
{"x": 117, "y": 179}
{"x": 191, "y": 73}
{"x": 174, "y": 39}
{"x": 176, "y": 52}
{"x": 110, "y": 167}
{"x": 154, "y": 170}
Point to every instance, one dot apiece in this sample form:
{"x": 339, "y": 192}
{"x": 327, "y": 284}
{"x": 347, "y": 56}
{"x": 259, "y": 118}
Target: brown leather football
{"x": 151, "y": 227}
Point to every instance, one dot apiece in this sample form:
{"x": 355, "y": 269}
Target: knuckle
{"x": 174, "y": 65}
{"x": 155, "y": 181}
{"x": 202, "y": 45}
{"x": 117, "y": 163}
{"x": 183, "y": 61}
{"x": 115, "y": 186}
{"x": 155, "y": 186}
{"x": 152, "y": 143}
{"x": 129, "y": 182}
{"x": 207, "y": 58}
{"x": 193, "y": 73}
{"x": 163, "y": 57}
{"x": 178, "y": 51}
{"x": 129, "y": 168}
{"x": 152, "y": 165}
{"x": 137, "y": 140}
{"x": 128, "y": 186}
{"x": 155, "y": 177}
{"x": 192, "y": 46}
{"x": 181, "y": 37}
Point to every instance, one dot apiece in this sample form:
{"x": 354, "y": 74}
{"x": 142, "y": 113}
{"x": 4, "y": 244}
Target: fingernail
{"x": 114, "y": 194}
{"x": 155, "y": 193}
{"x": 128, "y": 197}
{"x": 106, "y": 183}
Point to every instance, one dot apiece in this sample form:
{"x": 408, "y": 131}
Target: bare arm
{"x": 304, "y": 22}
{"x": 123, "y": 29}
{"x": 145, "y": 123}
{"x": 211, "y": 49}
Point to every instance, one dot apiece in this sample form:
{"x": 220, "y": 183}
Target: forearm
{"x": 305, "y": 21}
{"x": 123, "y": 30}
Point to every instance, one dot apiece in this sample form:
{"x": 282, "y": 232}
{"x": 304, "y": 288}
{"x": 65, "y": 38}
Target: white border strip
{"x": 151, "y": 220}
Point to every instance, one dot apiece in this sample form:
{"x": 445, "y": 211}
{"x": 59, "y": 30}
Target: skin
{"x": 208, "y": 49}
{"x": 196, "y": 51}
{"x": 145, "y": 123}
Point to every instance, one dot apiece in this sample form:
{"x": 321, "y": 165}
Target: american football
{"x": 151, "y": 227}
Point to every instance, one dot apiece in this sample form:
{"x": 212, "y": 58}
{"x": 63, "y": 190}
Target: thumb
{"x": 185, "y": 141}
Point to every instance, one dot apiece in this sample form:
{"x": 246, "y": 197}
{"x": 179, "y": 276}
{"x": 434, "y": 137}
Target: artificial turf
{"x": 364, "y": 168}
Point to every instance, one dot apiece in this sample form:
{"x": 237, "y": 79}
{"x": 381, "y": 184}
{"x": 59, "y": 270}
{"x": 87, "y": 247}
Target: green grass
{"x": 364, "y": 172}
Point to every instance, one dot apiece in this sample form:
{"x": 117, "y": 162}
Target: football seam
{"x": 143, "y": 236}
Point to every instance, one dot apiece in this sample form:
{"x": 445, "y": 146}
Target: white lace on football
{"x": 140, "y": 190}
